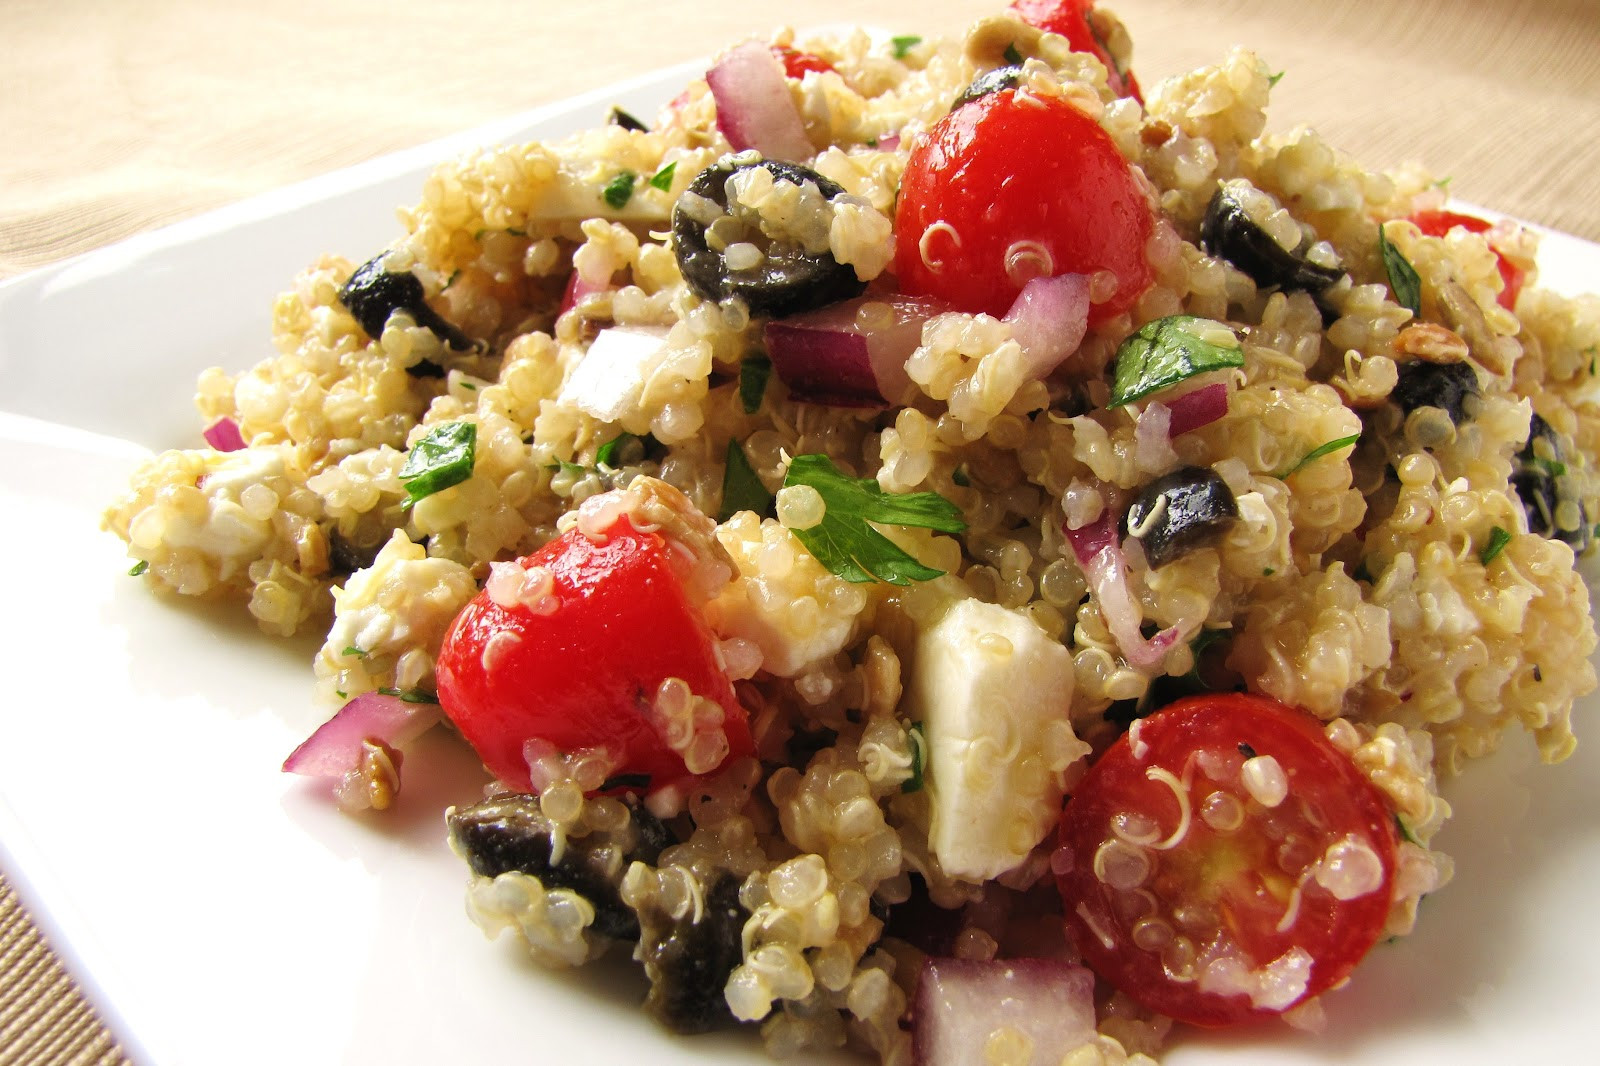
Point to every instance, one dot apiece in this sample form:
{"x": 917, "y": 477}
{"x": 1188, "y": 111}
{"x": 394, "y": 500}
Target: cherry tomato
{"x": 1070, "y": 18}
{"x": 1438, "y": 223}
{"x": 796, "y": 63}
{"x": 1012, "y": 186}
{"x": 581, "y": 670}
{"x": 1224, "y": 860}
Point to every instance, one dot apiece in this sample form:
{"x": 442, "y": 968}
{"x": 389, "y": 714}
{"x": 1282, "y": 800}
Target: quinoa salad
{"x": 942, "y": 550}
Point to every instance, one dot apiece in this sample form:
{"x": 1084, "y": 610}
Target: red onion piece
{"x": 832, "y": 356}
{"x": 754, "y": 108}
{"x": 577, "y": 289}
{"x": 1199, "y": 408}
{"x": 888, "y": 142}
{"x": 224, "y": 435}
{"x": 960, "y": 1002}
{"x": 1099, "y": 553}
{"x": 335, "y": 749}
{"x": 1049, "y": 319}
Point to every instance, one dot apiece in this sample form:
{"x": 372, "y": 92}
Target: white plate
{"x": 220, "y": 911}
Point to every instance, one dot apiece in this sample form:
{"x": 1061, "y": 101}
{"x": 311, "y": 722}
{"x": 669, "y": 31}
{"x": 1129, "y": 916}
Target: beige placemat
{"x": 115, "y": 118}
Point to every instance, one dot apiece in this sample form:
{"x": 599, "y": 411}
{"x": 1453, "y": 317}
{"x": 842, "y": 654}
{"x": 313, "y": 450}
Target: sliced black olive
{"x": 619, "y": 117}
{"x": 1536, "y": 475}
{"x": 688, "y": 959}
{"x": 1179, "y": 512}
{"x": 1442, "y": 385}
{"x": 346, "y": 557}
{"x": 788, "y": 280}
{"x": 373, "y": 294}
{"x": 510, "y": 833}
{"x": 990, "y": 81}
{"x": 1228, "y": 231}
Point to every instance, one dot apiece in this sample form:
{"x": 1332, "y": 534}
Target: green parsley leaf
{"x": 451, "y": 280}
{"x": 1403, "y": 277}
{"x": 662, "y": 179}
{"x": 742, "y": 490}
{"x": 903, "y": 45}
{"x": 846, "y": 543}
{"x": 443, "y": 457}
{"x": 353, "y": 650}
{"x": 1553, "y": 467}
{"x": 1268, "y": 571}
{"x": 341, "y": 693}
{"x": 619, "y": 190}
{"x": 753, "y": 374}
{"x": 960, "y": 476}
{"x": 1498, "y": 539}
{"x": 571, "y": 469}
{"x": 1167, "y": 351}
{"x": 611, "y": 452}
{"x": 1013, "y": 56}
{"x": 919, "y": 758}
{"x": 410, "y": 695}
{"x": 1276, "y": 78}
{"x": 139, "y": 568}
{"x": 1405, "y": 831}
{"x": 1317, "y": 453}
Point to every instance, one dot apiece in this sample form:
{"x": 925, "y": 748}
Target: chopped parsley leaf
{"x": 341, "y": 693}
{"x": 410, "y": 695}
{"x": 1167, "y": 351}
{"x": 742, "y": 490}
{"x": 139, "y": 568}
{"x": 441, "y": 458}
{"x": 903, "y": 45}
{"x": 1268, "y": 571}
{"x": 753, "y": 374}
{"x": 1317, "y": 453}
{"x": 919, "y": 758}
{"x": 960, "y": 476}
{"x": 845, "y": 542}
{"x": 1013, "y": 56}
{"x": 611, "y": 454}
{"x": 1498, "y": 539}
{"x": 619, "y": 190}
{"x": 571, "y": 469}
{"x": 1403, "y": 277}
{"x": 353, "y": 650}
{"x": 662, "y": 179}
{"x": 1276, "y": 78}
{"x": 1405, "y": 831}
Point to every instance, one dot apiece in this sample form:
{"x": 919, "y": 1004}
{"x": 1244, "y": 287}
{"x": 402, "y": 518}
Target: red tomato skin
{"x": 1001, "y": 170}
{"x": 796, "y": 63}
{"x": 1438, "y": 223}
{"x": 1070, "y": 18}
{"x": 1342, "y": 933}
{"x": 585, "y": 675}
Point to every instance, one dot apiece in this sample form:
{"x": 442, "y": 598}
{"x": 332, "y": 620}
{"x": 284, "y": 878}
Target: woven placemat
{"x": 175, "y": 108}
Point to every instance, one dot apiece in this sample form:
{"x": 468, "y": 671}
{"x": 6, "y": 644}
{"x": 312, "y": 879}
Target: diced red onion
{"x": 224, "y": 435}
{"x": 754, "y": 108}
{"x": 335, "y": 749}
{"x": 578, "y": 288}
{"x": 1099, "y": 553}
{"x": 961, "y": 1002}
{"x": 888, "y": 142}
{"x": 841, "y": 356}
{"x": 1049, "y": 319}
{"x": 1199, "y": 408}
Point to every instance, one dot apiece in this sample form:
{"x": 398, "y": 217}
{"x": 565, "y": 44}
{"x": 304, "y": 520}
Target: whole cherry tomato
{"x": 1438, "y": 223}
{"x": 1070, "y": 18}
{"x": 579, "y": 663}
{"x": 1012, "y": 186}
{"x": 1224, "y": 860}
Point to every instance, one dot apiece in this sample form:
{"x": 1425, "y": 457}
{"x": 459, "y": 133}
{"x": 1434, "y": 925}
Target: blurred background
{"x": 118, "y": 117}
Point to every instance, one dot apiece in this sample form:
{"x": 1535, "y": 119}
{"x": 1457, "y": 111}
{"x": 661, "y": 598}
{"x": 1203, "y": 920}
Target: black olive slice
{"x": 1229, "y": 232}
{"x": 688, "y": 959}
{"x": 1536, "y": 475}
{"x": 373, "y": 294}
{"x": 788, "y": 280}
{"x": 1175, "y": 514}
{"x": 990, "y": 81}
{"x": 1442, "y": 385}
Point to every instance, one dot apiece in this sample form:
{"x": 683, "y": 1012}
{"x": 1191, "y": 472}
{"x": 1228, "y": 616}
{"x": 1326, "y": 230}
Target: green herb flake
{"x": 1013, "y": 56}
{"x": 960, "y": 476}
{"x": 662, "y": 179}
{"x": 845, "y": 542}
{"x": 1553, "y": 467}
{"x": 919, "y": 758}
{"x": 410, "y": 695}
{"x": 753, "y": 374}
{"x": 1167, "y": 351}
{"x": 1276, "y": 78}
{"x": 139, "y": 568}
{"x": 619, "y": 190}
{"x": 610, "y": 453}
{"x": 1268, "y": 571}
{"x": 1498, "y": 539}
{"x": 451, "y": 280}
{"x": 1317, "y": 453}
{"x": 1403, "y": 277}
{"x": 341, "y": 693}
{"x": 353, "y": 650}
{"x": 443, "y": 457}
{"x": 1405, "y": 831}
{"x": 742, "y": 490}
{"x": 903, "y": 45}
{"x": 569, "y": 468}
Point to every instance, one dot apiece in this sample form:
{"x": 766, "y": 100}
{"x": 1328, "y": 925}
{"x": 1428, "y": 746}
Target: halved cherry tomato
{"x": 583, "y": 671}
{"x": 1438, "y": 223}
{"x": 796, "y": 63}
{"x": 1012, "y": 186}
{"x": 1224, "y": 860}
{"x": 1070, "y": 18}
